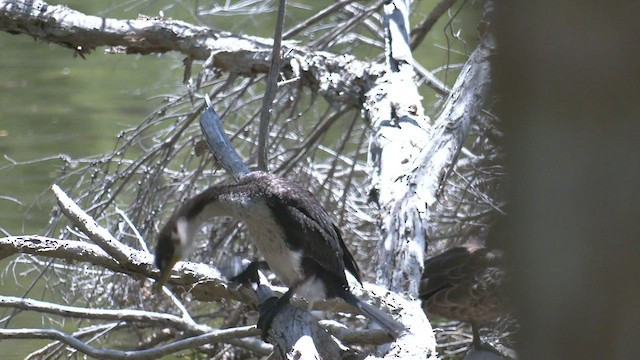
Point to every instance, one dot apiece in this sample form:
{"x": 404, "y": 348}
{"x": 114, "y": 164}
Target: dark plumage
{"x": 466, "y": 284}
{"x": 291, "y": 230}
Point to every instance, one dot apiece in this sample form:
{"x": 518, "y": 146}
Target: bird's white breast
{"x": 269, "y": 238}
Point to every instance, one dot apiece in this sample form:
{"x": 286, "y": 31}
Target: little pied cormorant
{"x": 291, "y": 230}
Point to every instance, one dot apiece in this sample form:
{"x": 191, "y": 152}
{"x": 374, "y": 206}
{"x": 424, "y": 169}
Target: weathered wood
{"x": 470, "y": 93}
{"x": 296, "y": 334}
{"x": 394, "y": 110}
{"x": 340, "y": 78}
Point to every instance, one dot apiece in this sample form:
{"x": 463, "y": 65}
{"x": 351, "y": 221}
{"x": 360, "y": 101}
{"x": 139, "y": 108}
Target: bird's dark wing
{"x": 464, "y": 285}
{"x": 456, "y": 265}
{"x": 308, "y": 227}
{"x": 349, "y": 262}
{"x": 443, "y": 271}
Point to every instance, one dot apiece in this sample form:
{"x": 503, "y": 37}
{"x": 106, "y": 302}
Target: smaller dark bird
{"x": 466, "y": 284}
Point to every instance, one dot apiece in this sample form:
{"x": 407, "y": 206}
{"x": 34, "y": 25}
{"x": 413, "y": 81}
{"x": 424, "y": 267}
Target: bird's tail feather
{"x": 385, "y": 320}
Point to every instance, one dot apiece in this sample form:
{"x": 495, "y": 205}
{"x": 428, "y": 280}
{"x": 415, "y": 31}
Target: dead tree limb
{"x": 153, "y": 353}
{"x": 101, "y": 314}
{"x": 395, "y": 111}
{"x": 413, "y": 159}
{"x": 470, "y": 93}
{"x": 340, "y": 78}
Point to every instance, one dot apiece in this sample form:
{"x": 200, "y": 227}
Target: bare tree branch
{"x": 315, "y": 18}
{"x": 154, "y": 353}
{"x": 470, "y": 94}
{"x": 400, "y": 132}
{"x": 295, "y": 333}
{"x": 420, "y": 32}
{"x": 102, "y": 314}
{"x": 92, "y": 330}
{"x": 58, "y": 249}
{"x": 203, "y": 281}
{"x": 340, "y": 78}
{"x": 272, "y": 87}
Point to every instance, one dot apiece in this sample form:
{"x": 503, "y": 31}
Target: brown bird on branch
{"x": 466, "y": 284}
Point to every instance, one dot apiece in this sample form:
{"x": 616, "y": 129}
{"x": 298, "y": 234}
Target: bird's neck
{"x": 245, "y": 202}
{"x": 219, "y": 200}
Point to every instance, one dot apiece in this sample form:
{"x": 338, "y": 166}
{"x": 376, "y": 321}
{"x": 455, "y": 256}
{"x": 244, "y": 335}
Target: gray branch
{"x": 411, "y": 159}
{"x": 220, "y": 145}
{"x": 340, "y": 78}
{"x": 102, "y": 314}
{"x": 154, "y": 353}
{"x": 296, "y": 334}
{"x": 470, "y": 93}
{"x": 400, "y": 132}
{"x": 204, "y": 282}
{"x": 57, "y": 249}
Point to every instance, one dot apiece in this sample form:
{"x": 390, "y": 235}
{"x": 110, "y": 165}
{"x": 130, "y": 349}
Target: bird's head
{"x": 171, "y": 243}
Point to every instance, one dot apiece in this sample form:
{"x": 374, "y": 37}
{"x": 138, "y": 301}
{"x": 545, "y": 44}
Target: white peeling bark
{"x": 393, "y": 107}
{"x": 296, "y": 334}
{"x": 412, "y": 160}
{"x": 400, "y": 132}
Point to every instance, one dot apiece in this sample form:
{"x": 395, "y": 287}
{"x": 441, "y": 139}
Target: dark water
{"x": 51, "y": 103}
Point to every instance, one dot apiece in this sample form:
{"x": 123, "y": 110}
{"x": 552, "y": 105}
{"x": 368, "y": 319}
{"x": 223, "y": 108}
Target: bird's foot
{"x": 268, "y": 310}
{"x": 249, "y": 275}
{"x": 485, "y": 346}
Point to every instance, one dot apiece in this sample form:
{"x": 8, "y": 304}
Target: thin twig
{"x": 103, "y": 314}
{"x": 315, "y": 18}
{"x": 420, "y": 32}
{"x": 272, "y": 86}
{"x": 101, "y": 236}
{"x": 154, "y": 353}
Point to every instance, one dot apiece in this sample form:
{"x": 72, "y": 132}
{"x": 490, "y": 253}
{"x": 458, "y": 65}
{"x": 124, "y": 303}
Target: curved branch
{"x": 340, "y": 78}
{"x": 154, "y": 353}
{"x": 88, "y": 331}
{"x": 58, "y": 249}
{"x": 296, "y": 332}
{"x": 102, "y": 314}
{"x": 219, "y": 144}
{"x": 420, "y": 32}
{"x": 451, "y": 128}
